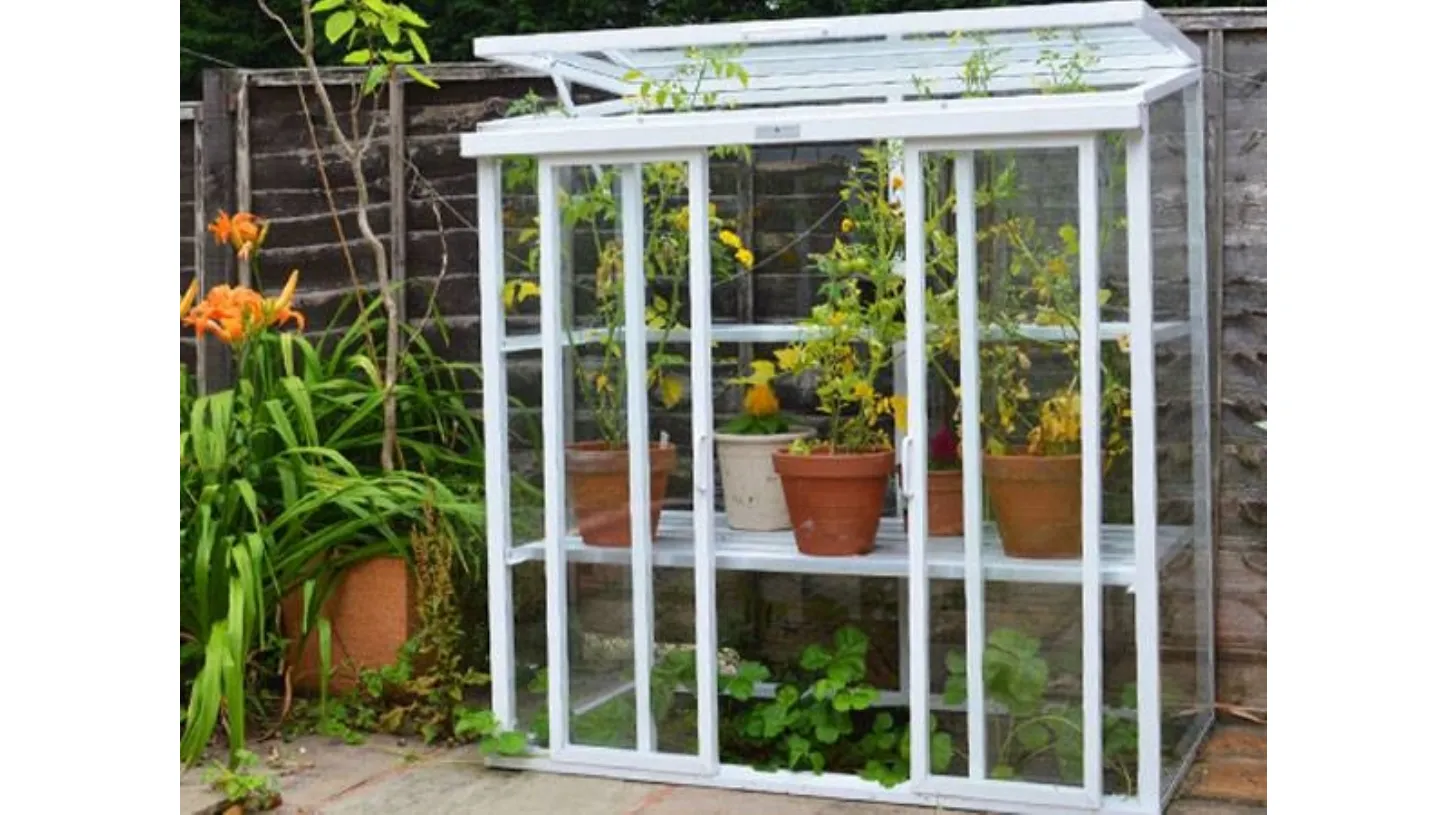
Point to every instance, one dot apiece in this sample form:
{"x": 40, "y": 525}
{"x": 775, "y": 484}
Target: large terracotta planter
{"x": 1037, "y": 503}
{"x": 598, "y": 489}
{"x": 835, "y": 499}
{"x": 373, "y": 612}
{"x": 753, "y": 498}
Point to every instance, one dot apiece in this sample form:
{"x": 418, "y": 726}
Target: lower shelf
{"x": 735, "y": 550}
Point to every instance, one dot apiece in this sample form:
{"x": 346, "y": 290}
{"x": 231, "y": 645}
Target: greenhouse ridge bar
{"x": 1052, "y": 650}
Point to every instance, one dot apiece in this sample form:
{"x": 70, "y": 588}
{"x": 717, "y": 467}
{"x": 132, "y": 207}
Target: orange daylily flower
{"x": 280, "y": 308}
{"x": 236, "y": 313}
{"x": 244, "y": 231}
{"x": 221, "y": 227}
{"x": 189, "y": 297}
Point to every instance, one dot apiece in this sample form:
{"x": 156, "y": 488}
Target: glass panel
{"x": 1029, "y": 279}
{"x": 1181, "y": 646}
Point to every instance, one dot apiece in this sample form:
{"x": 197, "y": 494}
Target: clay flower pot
{"x": 598, "y": 488}
{"x": 1037, "y": 503}
{"x": 835, "y": 499}
{"x": 946, "y": 502}
{"x": 372, "y": 610}
{"x": 753, "y": 498}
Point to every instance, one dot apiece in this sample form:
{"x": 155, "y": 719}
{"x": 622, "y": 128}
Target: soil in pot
{"x": 835, "y": 499}
{"x": 753, "y": 498}
{"x": 1037, "y": 504}
{"x": 598, "y": 489}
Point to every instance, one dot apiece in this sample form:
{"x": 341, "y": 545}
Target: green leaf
{"x": 512, "y": 743}
{"x": 326, "y": 5}
{"x": 408, "y": 16}
{"x": 339, "y": 24}
{"x": 361, "y": 56}
{"x": 392, "y": 31}
{"x": 955, "y": 662}
{"x": 814, "y": 658}
{"x": 418, "y": 45}
{"x": 419, "y": 77}
{"x": 942, "y": 749}
{"x": 375, "y": 76}
{"x": 827, "y": 733}
{"x": 1033, "y": 735}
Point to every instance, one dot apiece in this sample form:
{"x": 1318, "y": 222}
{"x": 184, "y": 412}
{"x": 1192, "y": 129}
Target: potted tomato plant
{"x": 597, "y": 468}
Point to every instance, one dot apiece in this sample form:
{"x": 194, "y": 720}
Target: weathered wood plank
{"x": 217, "y": 168}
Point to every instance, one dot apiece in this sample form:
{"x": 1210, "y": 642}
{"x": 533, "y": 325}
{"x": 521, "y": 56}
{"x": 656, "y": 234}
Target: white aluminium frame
{"x": 959, "y": 128}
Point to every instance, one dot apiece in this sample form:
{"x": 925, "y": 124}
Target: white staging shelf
{"x": 790, "y": 332}
{"x": 776, "y": 552}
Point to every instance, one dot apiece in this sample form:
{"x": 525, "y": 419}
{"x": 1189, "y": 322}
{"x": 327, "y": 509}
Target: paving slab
{"x": 320, "y": 776}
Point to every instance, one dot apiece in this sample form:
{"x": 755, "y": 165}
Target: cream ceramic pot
{"x": 753, "y": 498}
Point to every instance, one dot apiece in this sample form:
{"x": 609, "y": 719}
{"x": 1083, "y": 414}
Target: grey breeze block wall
{"x": 247, "y": 146}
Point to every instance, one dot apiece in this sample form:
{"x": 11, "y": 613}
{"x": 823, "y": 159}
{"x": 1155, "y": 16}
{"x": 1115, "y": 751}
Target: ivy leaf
{"x": 955, "y": 688}
{"x": 339, "y": 24}
{"x": 827, "y": 733}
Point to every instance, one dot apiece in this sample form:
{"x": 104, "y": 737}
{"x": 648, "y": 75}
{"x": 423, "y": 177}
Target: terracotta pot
{"x": 946, "y": 502}
{"x": 753, "y": 499}
{"x": 1037, "y": 503}
{"x": 373, "y": 612}
{"x": 598, "y": 489}
{"x": 835, "y": 499}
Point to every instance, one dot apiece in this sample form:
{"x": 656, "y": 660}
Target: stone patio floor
{"x": 386, "y": 777}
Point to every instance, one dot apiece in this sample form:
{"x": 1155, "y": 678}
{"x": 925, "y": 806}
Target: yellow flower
{"x": 745, "y": 258}
{"x": 671, "y": 390}
{"x": 897, "y": 181}
{"x": 600, "y": 383}
{"x": 863, "y": 391}
{"x": 760, "y": 400}
{"x": 847, "y": 225}
{"x": 837, "y": 319}
{"x": 789, "y": 358}
{"x": 898, "y": 407}
{"x": 730, "y": 239}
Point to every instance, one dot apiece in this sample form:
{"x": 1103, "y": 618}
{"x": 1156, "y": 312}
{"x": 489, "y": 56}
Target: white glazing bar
{"x": 1143, "y": 462}
{"x": 555, "y": 517}
{"x": 1201, "y": 392}
{"x": 636, "y": 358}
{"x": 1091, "y": 689}
{"x": 495, "y": 434}
{"x": 701, "y": 371}
{"x": 1006, "y": 117}
{"x": 970, "y": 446}
{"x": 913, "y": 465}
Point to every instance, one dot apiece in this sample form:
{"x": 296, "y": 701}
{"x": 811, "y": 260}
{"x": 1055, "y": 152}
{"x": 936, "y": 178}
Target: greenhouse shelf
{"x": 1110, "y": 332}
{"x": 735, "y": 550}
